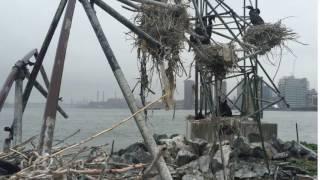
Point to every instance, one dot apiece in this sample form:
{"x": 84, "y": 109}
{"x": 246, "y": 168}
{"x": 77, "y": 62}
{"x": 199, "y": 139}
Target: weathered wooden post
{"x": 126, "y": 91}
{"x": 47, "y": 130}
{"x": 18, "y": 103}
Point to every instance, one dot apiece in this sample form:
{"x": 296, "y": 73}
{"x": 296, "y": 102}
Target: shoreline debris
{"x": 185, "y": 159}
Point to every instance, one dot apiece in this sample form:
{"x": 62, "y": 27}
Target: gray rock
{"x": 215, "y": 166}
{"x": 198, "y": 145}
{"x": 286, "y": 146}
{"x": 241, "y": 147}
{"x": 248, "y": 170}
{"x": 204, "y": 163}
{"x": 184, "y": 157}
{"x": 135, "y": 153}
{"x": 174, "y": 145}
{"x": 258, "y": 152}
{"x": 133, "y": 148}
{"x": 192, "y": 177}
{"x": 278, "y": 144}
{"x": 157, "y": 137}
{"x": 295, "y": 149}
{"x": 304, "y": 177}
{"x": 280, "y": 156}
{"x": 174, "y": 135}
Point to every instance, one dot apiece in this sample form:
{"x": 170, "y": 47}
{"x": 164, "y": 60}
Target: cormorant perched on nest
{"x": 201, "y": 32}
{"x": 254, "y": 16}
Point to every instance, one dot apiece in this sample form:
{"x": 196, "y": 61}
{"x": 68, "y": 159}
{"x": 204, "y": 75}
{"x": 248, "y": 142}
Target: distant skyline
{"x": 25, "y": 23}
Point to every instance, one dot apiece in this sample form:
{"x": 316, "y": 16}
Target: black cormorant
{"x": 199, "y": 31}
{"x": 254, "y": 16}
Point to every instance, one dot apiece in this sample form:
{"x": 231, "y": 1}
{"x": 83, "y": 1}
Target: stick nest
{"x": 166, "y": 25}
{"x": 219, "y": 59}
{"x": 268, "y": 36}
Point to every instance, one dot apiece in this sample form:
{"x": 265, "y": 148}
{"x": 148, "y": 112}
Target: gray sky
{"x": 25, "y": 23}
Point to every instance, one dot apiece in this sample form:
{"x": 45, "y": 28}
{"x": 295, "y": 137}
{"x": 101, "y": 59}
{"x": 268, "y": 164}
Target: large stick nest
{"x": 219, "y": 59}
{"x": 166, "y": 25}
{"x": 268, "y": 36}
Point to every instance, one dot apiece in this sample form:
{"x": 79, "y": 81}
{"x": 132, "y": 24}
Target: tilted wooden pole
{"x": 126, "y": 91}
{"x": 44, "y": 93}
{"x": 47, "y": 130}
{"x": 42, "y": 53}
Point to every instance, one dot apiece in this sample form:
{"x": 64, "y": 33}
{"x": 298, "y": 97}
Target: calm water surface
{"x": 90, "y": 121}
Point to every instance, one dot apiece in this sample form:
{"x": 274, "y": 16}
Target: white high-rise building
{"x": 294, "y": 90}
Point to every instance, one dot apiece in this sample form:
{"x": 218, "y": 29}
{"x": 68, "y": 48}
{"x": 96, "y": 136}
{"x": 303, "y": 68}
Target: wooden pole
{"x": 44, "y": 93}
{"x": 47, "y": 130}
{"x": 297, "y": 132}
{"x": 126, "y": 91}
{"x": 42, "y": 53}
{"x": 18, "y": 103}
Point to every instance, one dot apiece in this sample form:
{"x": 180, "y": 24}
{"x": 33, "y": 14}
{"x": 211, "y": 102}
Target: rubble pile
{"x": 187, "y": 159}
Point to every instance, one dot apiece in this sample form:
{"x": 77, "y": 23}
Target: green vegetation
{"x": 311, "y": 146}
{"x": 310, "y": 166}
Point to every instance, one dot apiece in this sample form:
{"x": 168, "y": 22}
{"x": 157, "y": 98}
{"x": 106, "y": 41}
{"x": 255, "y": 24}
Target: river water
{"x": 90, "y": 121}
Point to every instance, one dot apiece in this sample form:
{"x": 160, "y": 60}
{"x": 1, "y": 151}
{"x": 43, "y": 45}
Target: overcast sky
{"x": 25, "y": 23}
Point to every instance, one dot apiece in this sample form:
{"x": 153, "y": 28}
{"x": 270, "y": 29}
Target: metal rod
{"x": 131, "y": 4}
{"x": 44, "y": 93}
{"x": 230, "y": 9}
{"x": 42, "y": 53}
{"x": 126, "y": 91}
{"x": 196, "y": 89}
{"x": 126, "y": 22}
{"x": 274, "y": 86}
{"x": 47, "y": 130}
{"x": 17, "y": 117}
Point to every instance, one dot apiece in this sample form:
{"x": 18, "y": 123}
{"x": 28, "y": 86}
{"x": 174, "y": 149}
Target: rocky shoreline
{"x": 198, "y": 159}
{"x": 186, "y": 159}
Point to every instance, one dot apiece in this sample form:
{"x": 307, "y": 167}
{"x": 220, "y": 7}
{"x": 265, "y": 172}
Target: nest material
{"x": 268, "y": 36}
{"x": 220, "y": 58}
{"x": 167, "y": 25}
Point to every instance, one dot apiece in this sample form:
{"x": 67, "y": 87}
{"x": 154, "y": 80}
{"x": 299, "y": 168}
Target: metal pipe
{"x": 126, "y": 91}
{"x": 128, "y": 3}
{"x": 49, "y": 118}
{"x": 42, "y": 53}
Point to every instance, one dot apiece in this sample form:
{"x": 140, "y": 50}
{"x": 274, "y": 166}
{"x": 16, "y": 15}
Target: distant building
{"x": 188, "y": 94}
{"x": 267, "y": 94}
{"x": 294, "y": 90}
{"x": 312, "y": 98}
